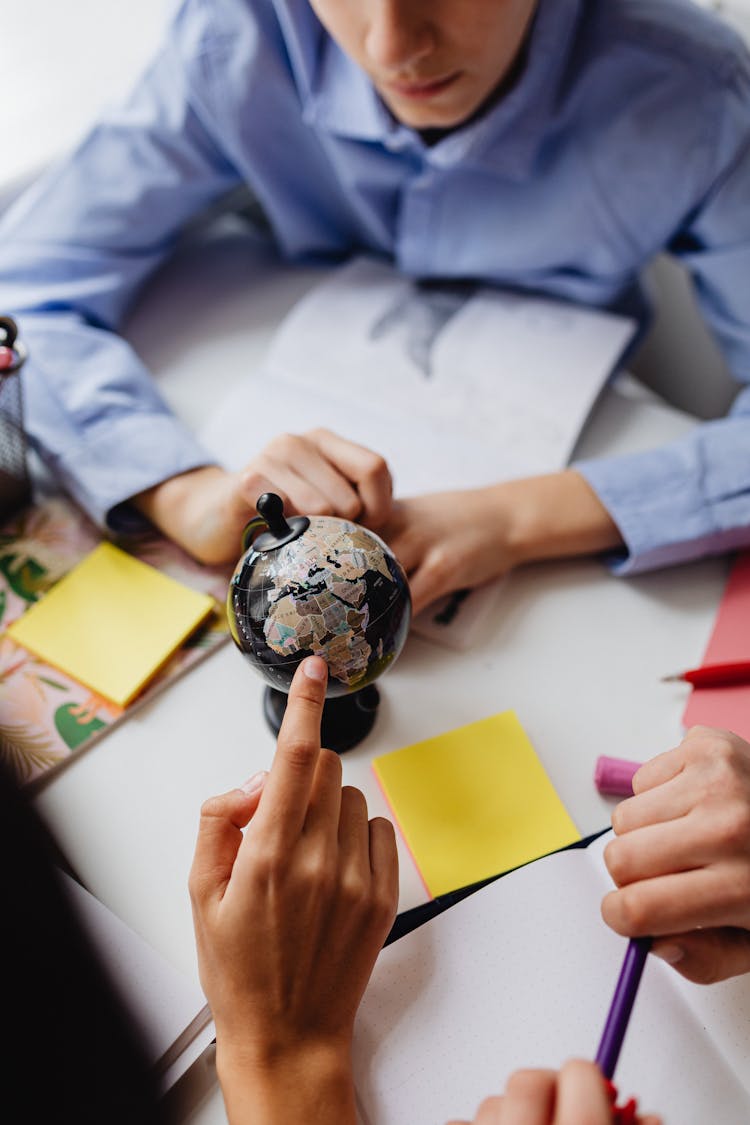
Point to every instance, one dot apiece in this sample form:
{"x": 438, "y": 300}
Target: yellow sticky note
{"x": 473, "y": 802}
{"x": 111, "y": 622}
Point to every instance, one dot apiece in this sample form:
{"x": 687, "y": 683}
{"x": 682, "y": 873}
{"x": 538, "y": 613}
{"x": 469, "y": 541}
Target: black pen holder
{"x": 15, "y": 483}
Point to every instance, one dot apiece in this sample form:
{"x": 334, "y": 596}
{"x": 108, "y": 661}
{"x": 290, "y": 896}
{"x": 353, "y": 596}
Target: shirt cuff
{"x": 112, "y": 463}
{"x": 656, "y": 501}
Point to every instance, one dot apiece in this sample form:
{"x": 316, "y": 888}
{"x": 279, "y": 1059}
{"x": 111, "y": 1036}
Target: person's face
{"x": 433, "y": 62}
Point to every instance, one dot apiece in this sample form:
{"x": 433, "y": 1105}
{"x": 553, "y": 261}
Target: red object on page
{"x": 727, "y": 707}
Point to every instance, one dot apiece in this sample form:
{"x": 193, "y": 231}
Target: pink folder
{"x": 727, "y": 707}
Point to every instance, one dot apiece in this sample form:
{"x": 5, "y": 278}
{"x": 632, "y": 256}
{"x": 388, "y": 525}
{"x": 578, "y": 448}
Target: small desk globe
{"x": 324, "y": 586}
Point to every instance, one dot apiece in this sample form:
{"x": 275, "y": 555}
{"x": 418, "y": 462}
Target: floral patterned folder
{"x": 45, "y": 716}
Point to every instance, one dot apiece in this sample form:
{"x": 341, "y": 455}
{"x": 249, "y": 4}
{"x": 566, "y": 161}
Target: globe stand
{"x": 347, "y": 719}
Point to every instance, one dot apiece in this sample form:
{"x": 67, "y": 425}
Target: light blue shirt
{"x": 627, "y": 132}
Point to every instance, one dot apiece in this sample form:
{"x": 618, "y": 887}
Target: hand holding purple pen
{"x": 676, "y": 809}
{"x": 680, "y": 858}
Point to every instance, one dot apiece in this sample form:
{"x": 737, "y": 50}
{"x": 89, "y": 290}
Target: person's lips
{"x": 423, "y": 90}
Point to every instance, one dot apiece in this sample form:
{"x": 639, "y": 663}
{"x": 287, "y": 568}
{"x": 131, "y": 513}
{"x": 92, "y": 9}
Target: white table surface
{"x": 576, "y": 652}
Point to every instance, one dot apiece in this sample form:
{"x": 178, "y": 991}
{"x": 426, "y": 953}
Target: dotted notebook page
{"x": 522, "y": 974}
{"x": 724, "y": 1010}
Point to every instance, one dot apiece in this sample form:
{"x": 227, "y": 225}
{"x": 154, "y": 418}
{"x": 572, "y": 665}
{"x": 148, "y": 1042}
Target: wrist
{"x": 188, "y": 509}
{"x": 557, "y": 515}
{"x": 166, "y": 503}
{"x": 304, "y": 1084}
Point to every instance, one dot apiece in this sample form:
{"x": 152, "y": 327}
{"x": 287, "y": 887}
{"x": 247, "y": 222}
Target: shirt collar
{"x": 339, "y": 98}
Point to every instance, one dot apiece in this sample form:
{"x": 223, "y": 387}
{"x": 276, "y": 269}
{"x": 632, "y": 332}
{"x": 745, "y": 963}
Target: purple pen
{"x": 622, "y": 1005}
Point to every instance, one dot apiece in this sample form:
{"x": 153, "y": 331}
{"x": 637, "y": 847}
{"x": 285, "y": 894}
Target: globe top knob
{"x": 279, "y": 529}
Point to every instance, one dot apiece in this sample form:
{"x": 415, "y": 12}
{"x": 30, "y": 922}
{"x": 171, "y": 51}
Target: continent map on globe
{"x": 335, "y": 591}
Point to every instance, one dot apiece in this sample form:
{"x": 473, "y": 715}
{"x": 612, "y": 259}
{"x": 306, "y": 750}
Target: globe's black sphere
{"x": 335, "y": 591}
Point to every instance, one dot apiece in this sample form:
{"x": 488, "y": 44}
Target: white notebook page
{"x": 521, "y": 974}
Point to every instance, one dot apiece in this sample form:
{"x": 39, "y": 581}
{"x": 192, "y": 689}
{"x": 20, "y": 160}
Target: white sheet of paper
{"x": 163, "y": 1002}
{"x": 521, "y": 974}
{"x": 457, "y": 387}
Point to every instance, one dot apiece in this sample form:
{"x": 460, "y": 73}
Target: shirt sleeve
{"x": 74, "y": 251}
{"x": 692, "y": 498}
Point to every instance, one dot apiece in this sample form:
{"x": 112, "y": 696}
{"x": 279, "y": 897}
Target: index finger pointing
{"x": 286, "y": 794}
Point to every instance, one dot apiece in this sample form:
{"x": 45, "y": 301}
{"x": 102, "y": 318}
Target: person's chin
{"x": 422, "y": 115}
{"x": 442, "y": 109}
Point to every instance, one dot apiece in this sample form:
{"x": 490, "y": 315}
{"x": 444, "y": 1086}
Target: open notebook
{"x": 171, "y": 1012}
{"x": 521, "y": 974}
{"x": 456, "y": 386}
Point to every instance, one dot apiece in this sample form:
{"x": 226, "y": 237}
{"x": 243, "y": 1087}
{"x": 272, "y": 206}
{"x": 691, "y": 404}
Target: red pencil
{"x": 715, "y": 675}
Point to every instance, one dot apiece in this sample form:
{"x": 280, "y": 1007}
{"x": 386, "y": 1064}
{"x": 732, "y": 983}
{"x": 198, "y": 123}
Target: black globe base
{"x": 347, "y": 719}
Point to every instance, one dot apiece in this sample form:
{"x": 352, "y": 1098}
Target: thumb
{"x": 706, "y": 956}
{"x": 219, "y": 837}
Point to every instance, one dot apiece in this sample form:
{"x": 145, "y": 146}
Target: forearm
{"x": 313, "y": 1087}
{"x": 552, "y": 516}
{"x": 93, "y": 413}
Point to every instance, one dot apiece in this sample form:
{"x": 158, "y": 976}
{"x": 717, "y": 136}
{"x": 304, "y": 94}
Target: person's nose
{"x": 399, "y": 35}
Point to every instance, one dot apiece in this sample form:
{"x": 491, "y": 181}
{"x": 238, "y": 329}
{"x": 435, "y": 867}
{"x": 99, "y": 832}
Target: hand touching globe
{"x": 324, "y": 586}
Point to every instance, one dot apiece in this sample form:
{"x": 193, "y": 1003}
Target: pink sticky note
{"x": 727, "y": 707}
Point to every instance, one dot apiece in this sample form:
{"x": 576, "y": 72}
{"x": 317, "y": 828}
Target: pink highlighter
{"x": 614, "y": 776}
